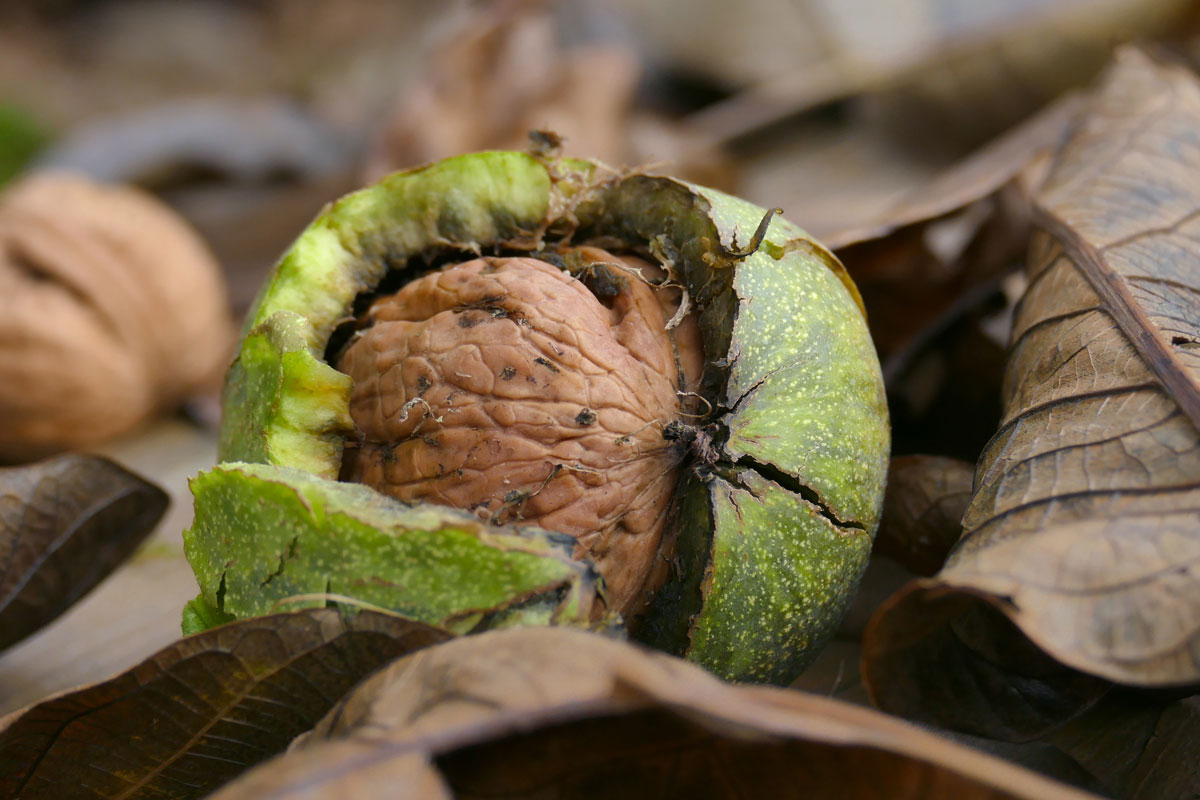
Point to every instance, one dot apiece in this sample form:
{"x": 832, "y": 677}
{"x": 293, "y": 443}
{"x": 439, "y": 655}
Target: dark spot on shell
{"x": 423, "y": 385}
{"x": 507, "y": 373}
{"x": 604, "y": 283}
{"x": 585, "y": 417}
{"x": 547, "y": 363}
{"x": 467, "y": 321}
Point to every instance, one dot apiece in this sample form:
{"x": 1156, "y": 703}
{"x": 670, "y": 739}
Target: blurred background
{"x": 247, "y": 116}
{"x": 867, "y": 121}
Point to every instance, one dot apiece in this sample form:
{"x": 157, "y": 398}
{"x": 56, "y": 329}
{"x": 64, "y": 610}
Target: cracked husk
{"x": 766, "y": 464}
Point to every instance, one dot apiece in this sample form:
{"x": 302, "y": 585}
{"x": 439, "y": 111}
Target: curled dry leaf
{"x": 111, "y": 309}
{"x": 923, "y": 509}
{"x": 1014, "y": 158}
{"x": 65, "y": 524}
{"x": 1085, "y": 525}
{"x": 199, "y": 712}
{"x": 562, "y": 713}
{"x": 160, "y": 146}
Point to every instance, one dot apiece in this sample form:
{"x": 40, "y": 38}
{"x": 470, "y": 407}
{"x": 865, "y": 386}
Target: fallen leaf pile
{"x": 1030, "y": 624}
{"x": 1083, "y": 529}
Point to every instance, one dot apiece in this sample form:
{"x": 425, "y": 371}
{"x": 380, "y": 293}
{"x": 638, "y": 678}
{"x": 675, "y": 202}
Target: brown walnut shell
{"x": 111, "y": 310}
{"x": 504, "y": 386}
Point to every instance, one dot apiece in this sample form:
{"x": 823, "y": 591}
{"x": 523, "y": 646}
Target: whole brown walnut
{"x": 111, "y": 310}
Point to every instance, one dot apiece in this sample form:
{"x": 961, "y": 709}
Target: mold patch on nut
{"x": 523, "y": 451}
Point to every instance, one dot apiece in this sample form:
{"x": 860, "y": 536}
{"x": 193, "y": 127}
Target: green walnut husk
{"x": 773, "y": 534}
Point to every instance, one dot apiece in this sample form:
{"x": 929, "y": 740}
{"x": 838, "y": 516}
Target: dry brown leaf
{"x": 200, "y": 711}
{"x": 1014, "y": 156}
{"x": 923, "y": 509}
{"x": 111, "y": 310}
{"x": 504, "y": 73}
{"x": 65, "y": 524}
{"x": 1084, "y": 531}
{"x": 1138, "y": 747}
{"x": 561, "y": 713}
{"x": 135, "y": 611}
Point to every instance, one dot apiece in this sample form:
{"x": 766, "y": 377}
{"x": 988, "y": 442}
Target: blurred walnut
{"x": 111, "y": 309}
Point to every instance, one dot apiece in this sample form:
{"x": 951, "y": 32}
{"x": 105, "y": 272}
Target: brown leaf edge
{"x": 65, "y": 524}
{"x": 199, "y": 712}
{"x": 979, "y": 176}
{"x": 558, "y": 712}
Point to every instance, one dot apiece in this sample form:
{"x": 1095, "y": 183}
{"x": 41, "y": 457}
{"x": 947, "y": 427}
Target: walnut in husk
{"x": 650, "y": 402}
{"x": 111, "y": 310}
{"x": 507, "y": 387}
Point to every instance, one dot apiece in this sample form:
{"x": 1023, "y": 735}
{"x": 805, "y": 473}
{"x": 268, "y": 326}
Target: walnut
{"x": 505, "y": 386}
{"x": 111, "y": 309}
{"x": 711, "y": 431}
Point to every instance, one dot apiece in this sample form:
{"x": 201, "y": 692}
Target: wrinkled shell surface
{"x": 111, "y": 309}
{"x": 505, "y": 387}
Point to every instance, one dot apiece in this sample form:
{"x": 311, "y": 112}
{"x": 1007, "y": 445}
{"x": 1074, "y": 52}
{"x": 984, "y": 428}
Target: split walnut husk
{"x": 650, "y": 404}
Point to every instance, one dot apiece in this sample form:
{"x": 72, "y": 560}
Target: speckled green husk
{"x": 773, "y": 536}
{"x": 321, "y": 538}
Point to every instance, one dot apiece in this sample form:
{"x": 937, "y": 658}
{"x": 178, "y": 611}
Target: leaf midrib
{"x": 1113, "y": 288}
